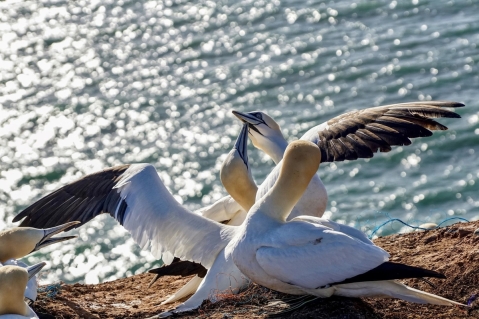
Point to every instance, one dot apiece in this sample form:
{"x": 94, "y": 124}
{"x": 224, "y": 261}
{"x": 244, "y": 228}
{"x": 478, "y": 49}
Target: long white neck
{"x": 237, "y": 180}
{"x": 299, "y": 165}
{"x": 275, "y": 149}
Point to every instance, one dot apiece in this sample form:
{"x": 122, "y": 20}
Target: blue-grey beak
{"x": 33, "y": 270}
{"x": 241, "y": 144}
{"x": 252, "y": 118}
{"x": 248, "y": 118}
{"x": 49, "y": 232}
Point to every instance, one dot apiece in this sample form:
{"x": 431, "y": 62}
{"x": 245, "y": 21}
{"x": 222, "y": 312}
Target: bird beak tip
{"x": 33, "y": 270}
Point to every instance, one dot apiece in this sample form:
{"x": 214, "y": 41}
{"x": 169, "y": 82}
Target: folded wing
{"x": 313, "y": 255}
{"x": 359, "y": 134}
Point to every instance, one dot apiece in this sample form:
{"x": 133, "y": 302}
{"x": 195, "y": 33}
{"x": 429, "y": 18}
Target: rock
{"x": 463, "y": 232}
{"x": 429, "y": 239}
{"x": 476, "y": 232}
{"x": 427, "y": 226}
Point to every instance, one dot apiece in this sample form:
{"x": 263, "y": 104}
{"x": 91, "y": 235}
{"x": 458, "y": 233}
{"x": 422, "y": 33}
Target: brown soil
{"x": 453, "y": 251}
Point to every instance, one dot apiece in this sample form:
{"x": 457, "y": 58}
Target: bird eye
{"x": 258, "y": 115}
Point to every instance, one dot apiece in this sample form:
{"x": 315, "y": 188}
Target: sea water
{"x": 85, "y": 85}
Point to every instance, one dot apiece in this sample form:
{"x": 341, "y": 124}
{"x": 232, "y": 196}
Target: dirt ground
{"x": 453, "y": 250}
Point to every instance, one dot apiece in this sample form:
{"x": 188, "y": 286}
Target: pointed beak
{"x": 49, "y": 232}
{"x": 241, "y": 144}
{"x": 247, "y": 118}
{"x": 35, "y": 269}
{"x": 250, "y": 119}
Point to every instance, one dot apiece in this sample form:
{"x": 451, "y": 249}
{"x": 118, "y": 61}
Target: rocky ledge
{"x": 453, "y": 251}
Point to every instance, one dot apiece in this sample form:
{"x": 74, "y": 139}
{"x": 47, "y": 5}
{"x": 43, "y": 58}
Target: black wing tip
{"x": 392, "y": 271}
{"x": 457, "y": 104}
{"x": 181, "y": 268}
{"x": 441, "y": 276}
{"x": 441, "y": 103}
{"x": 18, "y": 218}
{"x": 154, "y": 270}
{"x": 413, "y": 271}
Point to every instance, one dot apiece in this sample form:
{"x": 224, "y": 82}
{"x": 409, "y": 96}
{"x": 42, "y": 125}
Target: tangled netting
{"x": 51, "y": 290}
{"x": 385, "y": 224}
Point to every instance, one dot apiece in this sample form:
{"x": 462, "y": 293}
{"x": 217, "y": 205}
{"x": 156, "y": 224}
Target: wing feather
{"x": 137, "y": 198}
{"x": 314, "y": 255}
{"x": 94, "y": 188}
{"x": 359, "y": 134}
{"x": 160, "y": 224}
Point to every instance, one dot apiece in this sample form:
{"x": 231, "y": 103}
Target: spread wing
{"x": 313, "y": 255}
{"x": 359, "y": 134}
{"x": 81, "y": 200}
{"x": 223, "y": 210}
{"x": 137, "y": 198}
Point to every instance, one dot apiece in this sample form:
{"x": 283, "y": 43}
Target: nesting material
{"x": 455, "y": 256}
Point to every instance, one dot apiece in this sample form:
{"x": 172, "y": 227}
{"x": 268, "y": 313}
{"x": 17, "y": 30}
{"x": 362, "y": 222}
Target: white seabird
{"x": 136, "y": 197}
{"x": 32, "y": 285}
{"x": 308, "y": 256}
{"x": 236, "y": 176}
{"x": 18, "y": 242}
{"x": 349, "y": 136}
{"x": 13, "y": 280}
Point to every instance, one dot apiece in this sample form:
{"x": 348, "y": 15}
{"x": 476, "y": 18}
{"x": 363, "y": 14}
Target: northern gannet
{"x": 310, "y": 255}
{"x": 18, "y": 242}
{"x": 349, "y": 136}
{"x": 137, "y": 198}
{"x": 13, "y": 280}
{"x": 32, "y": 285}
{"x": 235, "y": 174}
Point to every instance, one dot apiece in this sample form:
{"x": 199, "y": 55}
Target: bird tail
{"x": 390, "y": 288}
{"x": 188, "y": 289}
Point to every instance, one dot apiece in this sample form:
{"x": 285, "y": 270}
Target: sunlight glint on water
{"x": 89, "y": 84}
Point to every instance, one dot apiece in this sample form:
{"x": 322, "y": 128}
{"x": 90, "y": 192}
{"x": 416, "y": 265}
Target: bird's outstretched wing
{"x": 137, "y": 198}
{"x": 81, "y": 200}
{"x": 359, "y": 134}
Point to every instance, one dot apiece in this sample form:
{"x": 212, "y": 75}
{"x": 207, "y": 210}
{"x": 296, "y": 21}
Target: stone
{"x": 427, "y": 226}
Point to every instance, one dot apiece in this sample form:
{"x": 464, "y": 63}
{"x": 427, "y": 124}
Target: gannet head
{"x": 20, "y": 241}
{"x": 264, "y": 132}
{"x": 13, "y": 281}
{"x": 235, "y": 173}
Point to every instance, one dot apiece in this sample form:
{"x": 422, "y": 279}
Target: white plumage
{"x": 308, "y": 254}
{"x": 157, "y": 222}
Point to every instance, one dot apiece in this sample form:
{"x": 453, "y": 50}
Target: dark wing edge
{"x": 360, "y": 134}
{"x": 392, "y": 271}
{"x": 178, "y": 267}
{"x": 81, "y": 200}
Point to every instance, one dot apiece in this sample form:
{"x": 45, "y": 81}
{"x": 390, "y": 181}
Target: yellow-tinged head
{"x": 13, "y": 281}
{"x": 236, "y": 175}
{"x": 264, "y": 132}
{"x": 18, "y": 242}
